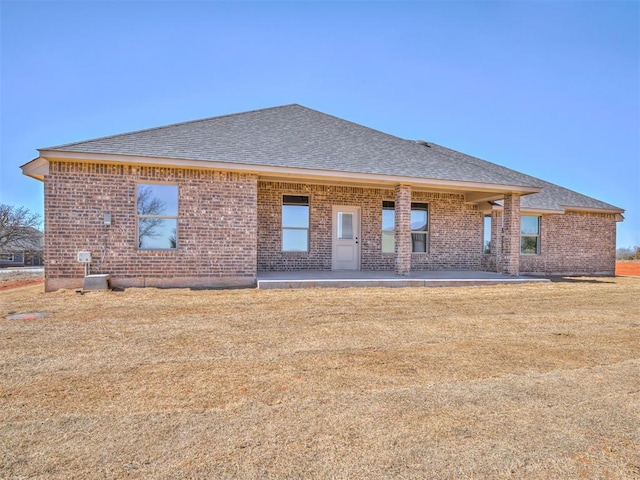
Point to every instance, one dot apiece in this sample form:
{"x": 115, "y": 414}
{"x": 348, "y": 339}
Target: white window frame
{"x": 158, "y": 217}
{"x": 282, "y": 226}
{"x": 486, "y": 249}
{"x": 528, "y": 235}
{"x": 423, "y": 207}
{"x": 388, "y": 205}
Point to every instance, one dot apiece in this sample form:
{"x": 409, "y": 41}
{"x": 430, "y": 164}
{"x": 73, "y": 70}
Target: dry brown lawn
{"x": 530, "y": 381}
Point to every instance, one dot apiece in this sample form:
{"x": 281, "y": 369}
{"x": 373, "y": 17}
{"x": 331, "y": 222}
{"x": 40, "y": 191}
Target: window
{"x": 388, "y": 227}
{"x": 157, "y": 209}
{"x": 530, "y": 235}
{"x": 295, "y": 223}
{"x": 486, "y": 244}
{"x": 419, "y": 227}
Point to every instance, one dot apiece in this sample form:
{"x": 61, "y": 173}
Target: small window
{"x": 157, "y": 209}
{"x": 486, "y": 244}
{"x": 388, "y": 227}
{"x": 530, "y": 235}
{"x": 295, "y": 223}
{"x": 419, "y": 227}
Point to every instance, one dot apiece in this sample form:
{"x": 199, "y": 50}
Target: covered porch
{"x": 350, "y": 278}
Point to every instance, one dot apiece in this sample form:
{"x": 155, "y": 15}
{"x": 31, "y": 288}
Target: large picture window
{"x": 157, "y": 209}
{"x": 295, "y": 223}
{"x": 530, "y": 235}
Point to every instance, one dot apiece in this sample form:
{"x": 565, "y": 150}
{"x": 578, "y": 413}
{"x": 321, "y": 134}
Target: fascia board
{"x": 593, "y": 210}
{"x": 533, "y": 211}
{"x": 36, "y": 168}
{"x": 287, "y": 172}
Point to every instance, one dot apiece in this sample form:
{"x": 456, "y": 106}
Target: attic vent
{"x": 422, "y": 142}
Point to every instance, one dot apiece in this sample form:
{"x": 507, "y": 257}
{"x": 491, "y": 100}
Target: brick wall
{"x": 455, "y": 233}
{"x": 402, "y": 233}
{"x": 229, "y": 227}
{"x": 216, "y": 226}
{"x": 455, "y": 236}
{"x": 574, "y": 243}
{"x": 510, "y": 255}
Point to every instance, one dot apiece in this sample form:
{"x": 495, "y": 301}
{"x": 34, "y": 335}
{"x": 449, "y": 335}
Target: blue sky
{"x": 548, "y": 88}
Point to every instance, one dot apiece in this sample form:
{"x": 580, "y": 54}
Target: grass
{"x": 531, "y": 381}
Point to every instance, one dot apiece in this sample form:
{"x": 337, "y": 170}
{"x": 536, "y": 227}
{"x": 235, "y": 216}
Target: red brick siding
{"x": 574, "y": 243}
{"x": 321, "y": 199}
{"x": 455, "y": 233}
{"x": 216, "y": 225}
{"x": 403, "y": 230}
{"x": 455, "y": 228}
{"x": 510, "y": 255}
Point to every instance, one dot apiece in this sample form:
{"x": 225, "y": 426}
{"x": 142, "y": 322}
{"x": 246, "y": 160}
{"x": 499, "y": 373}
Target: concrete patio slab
{"x": 347, "y": 278}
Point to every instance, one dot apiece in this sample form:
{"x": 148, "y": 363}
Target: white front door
{"x": 346, "y": 238}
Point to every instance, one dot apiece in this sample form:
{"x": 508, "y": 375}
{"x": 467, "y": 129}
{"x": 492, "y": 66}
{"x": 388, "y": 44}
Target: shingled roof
{"x": 294, "y": 136}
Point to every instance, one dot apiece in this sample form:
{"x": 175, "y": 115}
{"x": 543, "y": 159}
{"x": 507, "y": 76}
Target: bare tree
{"x": 628, "y": 253}
{"x": 148, "y": 204}
{"x": 18, "y": 228}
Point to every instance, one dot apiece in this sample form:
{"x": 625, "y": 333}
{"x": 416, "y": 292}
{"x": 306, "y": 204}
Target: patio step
{"x": 389, "y": 282}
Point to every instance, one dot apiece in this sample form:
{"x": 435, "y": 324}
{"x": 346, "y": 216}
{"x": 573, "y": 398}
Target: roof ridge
{"x": 359, "y": 125}
{"x": 160, "y": 127}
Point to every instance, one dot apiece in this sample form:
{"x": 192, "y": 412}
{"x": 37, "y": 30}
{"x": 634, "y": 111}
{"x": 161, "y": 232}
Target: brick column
{"x": 511, "y": 235}
{"x": 403, "y": 230}
{"x": 496, "y": 240}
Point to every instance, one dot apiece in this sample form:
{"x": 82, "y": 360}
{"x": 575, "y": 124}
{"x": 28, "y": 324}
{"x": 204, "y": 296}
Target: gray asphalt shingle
{"x": 299, "y": 137}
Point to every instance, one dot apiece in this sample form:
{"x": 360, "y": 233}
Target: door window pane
{"x": 345, "y": 226}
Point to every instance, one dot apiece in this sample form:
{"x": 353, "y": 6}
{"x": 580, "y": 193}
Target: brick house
{"x": 24, "y": 250}
{"x": 214, "y": 202}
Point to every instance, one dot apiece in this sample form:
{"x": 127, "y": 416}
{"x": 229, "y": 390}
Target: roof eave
{"x": 268, "y": 171}
{"x": 593, "y": 209}
{"x": 36, "y": 168}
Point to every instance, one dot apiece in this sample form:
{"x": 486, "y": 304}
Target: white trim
{"x": 592, "y": 210}
{"x": 354, "y": 244}
{"x": 36, "y": 168}
{"x": 288, "y": 173}
{"x": 529, "y": 211}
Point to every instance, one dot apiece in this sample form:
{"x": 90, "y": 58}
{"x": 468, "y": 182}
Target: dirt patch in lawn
{"x": 16, "y": 278}
{"x": 529, "y": 381}
{"x": 628, "y": 268}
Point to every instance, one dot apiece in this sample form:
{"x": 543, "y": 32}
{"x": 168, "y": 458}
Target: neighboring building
{"x": 215, "y": 201}
{"x": 26, "y": 252}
